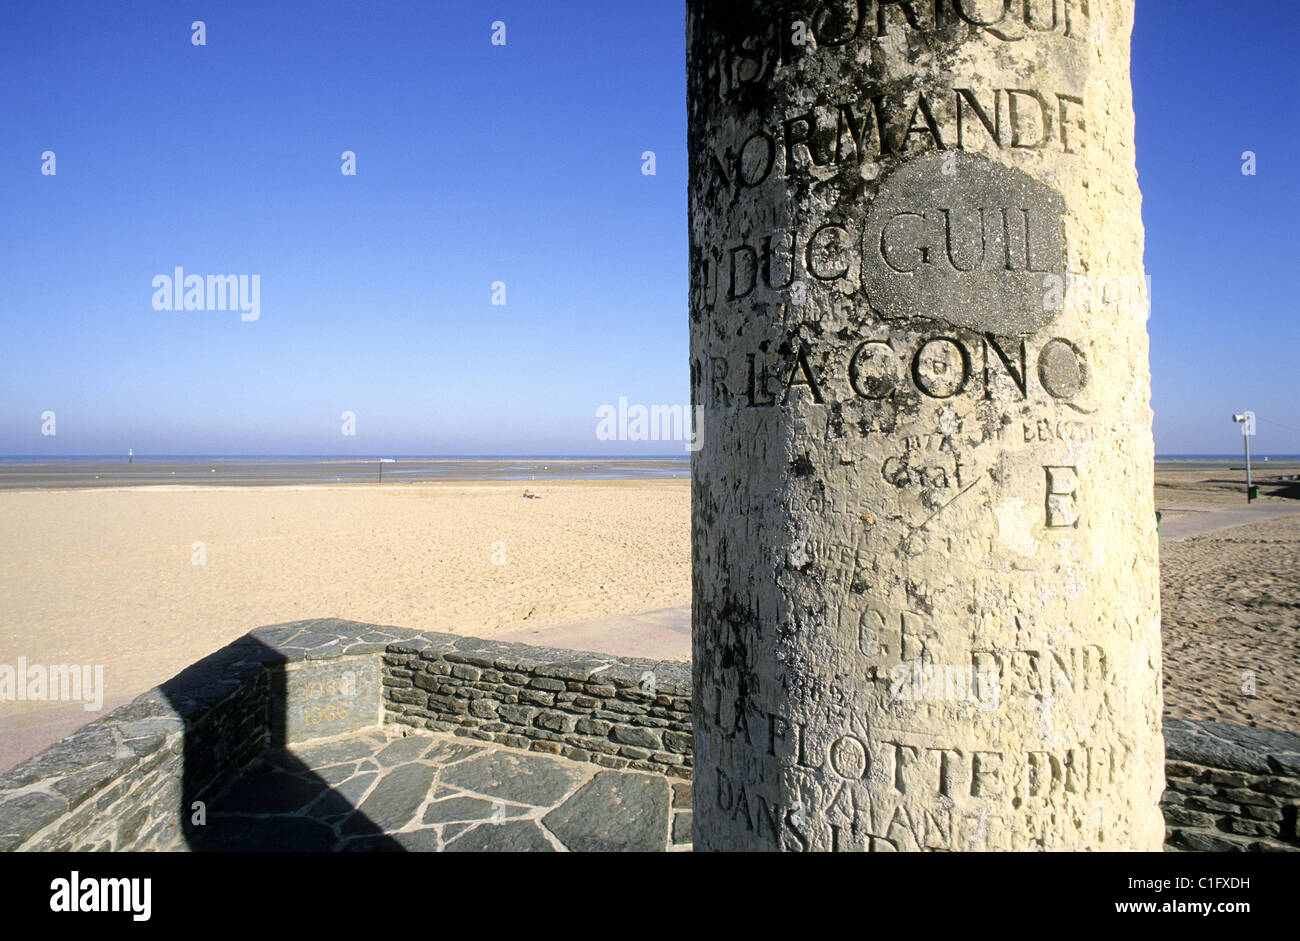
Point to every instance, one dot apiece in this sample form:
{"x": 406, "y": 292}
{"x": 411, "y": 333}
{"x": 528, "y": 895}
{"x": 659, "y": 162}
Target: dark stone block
{"x": 413, "y": 841}
{"x": 612, "y": 813}
{"x": 1182, "y": 817}
{"x": 516, "y": 715}
{"x": 24, "y": 815}
{"x": 240, "y": 834}
{"x": 531, "y": 779}
{"x": 77, "y": 787}
{"x": 516, "y": 836}
{"x": 1227, "y": 747}
{"x": 1203, "y": 842}
{"x": 395, "y": 799}
{"x": 555, "y": 722}
{"x": 1282, "y": 787}
{"x": 328, "y": 753}
{"x": 575, "y": 670}
{"x": 1214, "y": 806}
{"x": 1249, "y": 827}
{"x": 682, "y": 796}
{"x": 587, "y": 726}
{"x": 401, "y": 751}
{"x": 483, "y": 708}
{"x": 989, "y": 298}
{"x": 682, "y": 828}
{"x": 642, "y": 738}
{"x": 678, "y": 741}
{"x": 266, "y": 792}
{"x": 326, "y": 698}
{"x": 462, "y": 809}
{"x": 88, "y": 745}
{"x": 1241, "y": 795}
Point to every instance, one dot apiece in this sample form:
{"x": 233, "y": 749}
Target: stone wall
{"x": 615, "y": 712}
{"x": 121, "y": 781}
{"x": 128, "y": 780}
{"x": 1230, "y": 788}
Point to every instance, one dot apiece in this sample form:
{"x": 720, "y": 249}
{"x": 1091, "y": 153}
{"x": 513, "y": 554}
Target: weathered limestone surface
{"x": 925, "y": 590}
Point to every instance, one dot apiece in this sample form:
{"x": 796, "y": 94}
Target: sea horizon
{"x": 37, "y": 459}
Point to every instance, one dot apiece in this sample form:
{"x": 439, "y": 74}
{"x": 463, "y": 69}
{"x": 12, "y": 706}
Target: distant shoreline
{"x": 41, "y": 459}
{"x": 91, "y": 473}
{"x": 98, "y": 473}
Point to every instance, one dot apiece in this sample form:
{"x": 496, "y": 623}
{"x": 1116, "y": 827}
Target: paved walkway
{"x": 664, "y": 634}
{"x": 382, "y": 791}
{"x": 1194, "y": 520}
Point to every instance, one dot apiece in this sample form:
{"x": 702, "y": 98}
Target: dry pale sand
{"x": 107, "y": 576}
{"x": 1230, "y": 601}
{"x": 1230, "y": 620}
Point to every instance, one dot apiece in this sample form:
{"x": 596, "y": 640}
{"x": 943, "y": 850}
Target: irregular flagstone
{"x": 452, "y": 830}
{"x": 447, "y": 751}
{"x": 336, "y": 774}
{"x": 402, "y": 750}
{"x": 341, "y": 799}
{"x": 517, "y": 777}
{"x": 614, "y": 812}
{"x": 413, "y": 841}
{"x": 461, "y": 809}
{"x": 516, "y": 836}
{"x": 334, "y": 752}
{"x": 396, "y": 798}
{"x": 268, "y": 792}
{"x": 246, "y": 834}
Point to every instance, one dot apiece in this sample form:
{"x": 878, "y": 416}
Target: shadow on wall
{"x": 277, "y": 803}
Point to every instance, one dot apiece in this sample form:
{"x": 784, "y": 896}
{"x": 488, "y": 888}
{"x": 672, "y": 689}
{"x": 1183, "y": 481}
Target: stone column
{"x": 926, "y": 608}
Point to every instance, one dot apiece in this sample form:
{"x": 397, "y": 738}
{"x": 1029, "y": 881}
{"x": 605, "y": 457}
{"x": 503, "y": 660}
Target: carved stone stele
{"x": 926, "y": 609}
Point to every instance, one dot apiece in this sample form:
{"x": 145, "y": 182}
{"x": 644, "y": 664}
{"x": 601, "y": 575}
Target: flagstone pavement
{"x": 393, "y": 789}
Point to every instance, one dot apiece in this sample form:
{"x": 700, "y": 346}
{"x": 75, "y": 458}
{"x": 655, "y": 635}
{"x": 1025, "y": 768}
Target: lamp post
{"x": 1247, "y": 422}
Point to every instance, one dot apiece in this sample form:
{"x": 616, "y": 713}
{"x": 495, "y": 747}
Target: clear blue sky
{"x": 521, "y": 164}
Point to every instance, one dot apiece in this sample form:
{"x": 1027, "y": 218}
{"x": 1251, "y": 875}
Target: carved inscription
{"x": 973, "y": 247}
{"x": 836, "y": 135}
{"x": 843, "y": 27}
{"x": 970, "y": 247}
{"x": 1062, "y": 497}
{"x": 937, "y": 367}
{"x": 326, "y": 697}
{"x": 910, "y": 630}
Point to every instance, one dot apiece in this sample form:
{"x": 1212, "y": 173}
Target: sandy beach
{"x": 113, "y": 576}
{"x": 109, "y": 576}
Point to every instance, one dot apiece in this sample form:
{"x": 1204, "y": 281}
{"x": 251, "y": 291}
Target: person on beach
{"x": 531, "y": 495}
